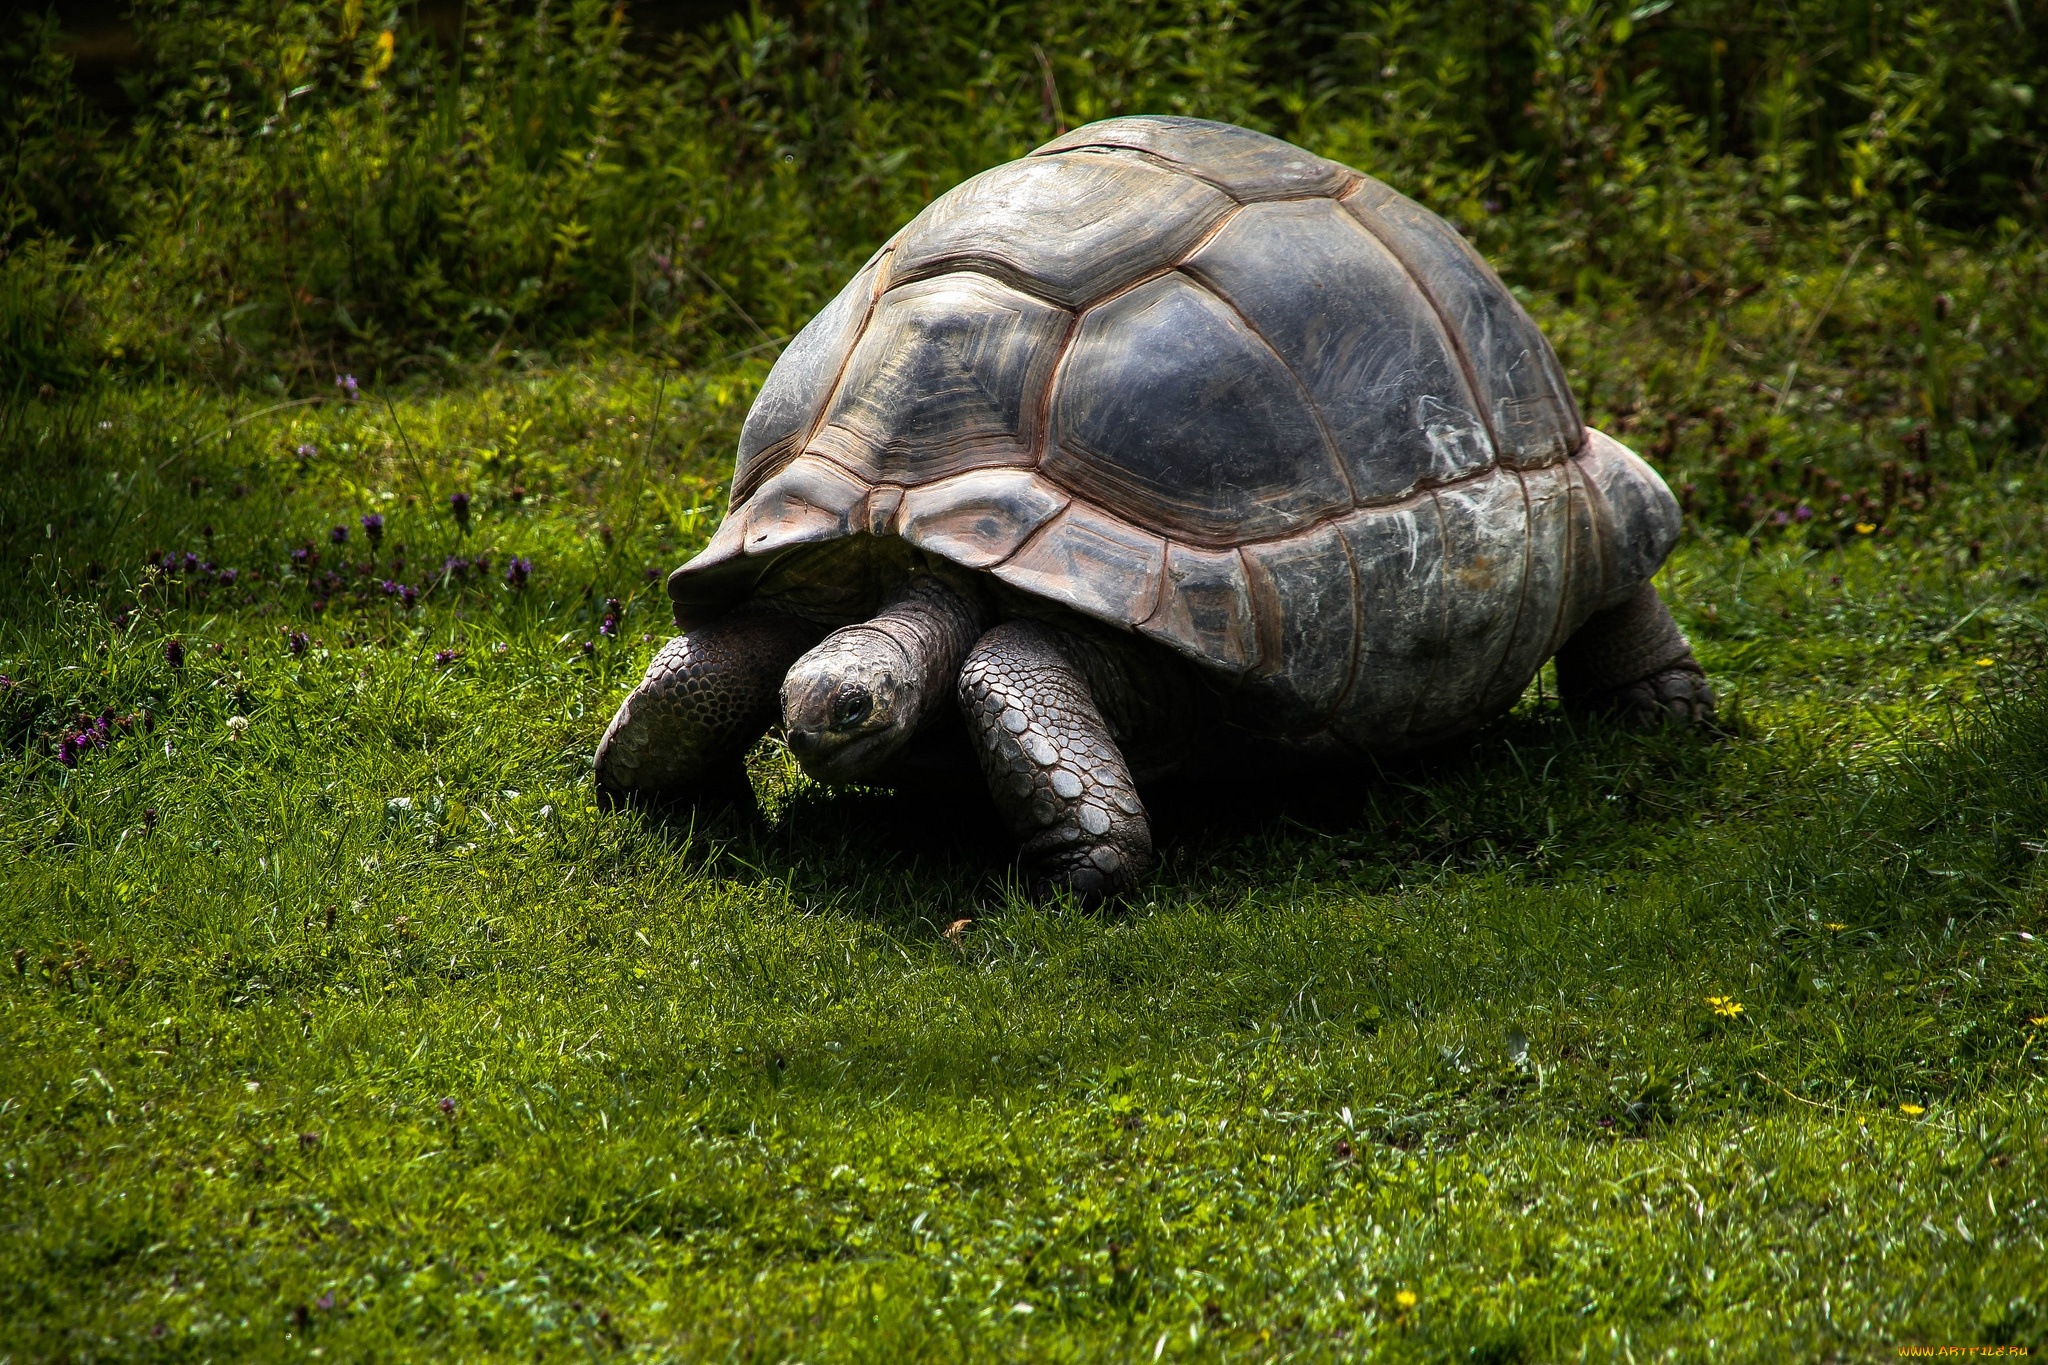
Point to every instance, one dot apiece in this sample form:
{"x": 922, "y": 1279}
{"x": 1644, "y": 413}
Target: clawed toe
{"x": 1093, "y": 874}
{"x": 1680, "y": 695}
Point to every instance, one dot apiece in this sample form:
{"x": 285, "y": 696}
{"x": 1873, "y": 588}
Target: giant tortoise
{"x": 1167, "y": 441}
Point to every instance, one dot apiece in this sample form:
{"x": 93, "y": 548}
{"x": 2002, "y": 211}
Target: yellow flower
{"x": 1832, "y": 927}
{"x": 1405, "y": 1300}
{"x": 1985, "y": 663}
{"x": 387, "y": 47}
{"x": 2038, "y": 1020}
{"x": 1724, "y": 1006}
{"x": 1912, "y": 1111}
{"x": 1864, "y": 528}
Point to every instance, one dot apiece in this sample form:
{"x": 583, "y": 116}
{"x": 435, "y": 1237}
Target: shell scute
{"x": 1304, "y": 597}
{"x": 1068, "y": 228}
{"x": 1346, "y": 318}
{"x": 1585, "y": 574}
{"x": 1639, "y": 518}
{"x": 1485, "y": 553}
{"x": 1547, "y": 553}
{"x": 1205, "y": 611}
{"x": 1172, "y": 411}
{"x": 809, "y": 500}
{"x": 978, "y": 520}
{"x": 1092, "y": 562}
{"x": 948, "y": 375}
{"x": 1398, "y": 555}
{"x": 1522, "y": 391}
{"x": 1249, "y": 165}
{"x": 801, "y": 382}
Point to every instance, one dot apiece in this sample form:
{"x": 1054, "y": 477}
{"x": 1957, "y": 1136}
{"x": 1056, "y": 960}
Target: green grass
{"x": 361, "y": 1031}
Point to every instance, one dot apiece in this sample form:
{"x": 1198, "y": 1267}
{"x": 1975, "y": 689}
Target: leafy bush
{"x": 310, "y": 187}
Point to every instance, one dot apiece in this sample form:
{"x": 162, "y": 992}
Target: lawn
{"x": 340, "y": 1022}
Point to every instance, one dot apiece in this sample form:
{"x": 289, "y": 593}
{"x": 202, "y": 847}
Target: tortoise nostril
{"x": 850, "y": 707}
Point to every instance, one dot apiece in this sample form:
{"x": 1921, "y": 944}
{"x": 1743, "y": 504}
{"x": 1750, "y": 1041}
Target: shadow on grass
{"x": 1528, "y": 792}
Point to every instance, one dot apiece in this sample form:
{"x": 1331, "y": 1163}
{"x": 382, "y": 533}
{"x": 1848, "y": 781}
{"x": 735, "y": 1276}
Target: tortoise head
{"x": 851, "y": 704}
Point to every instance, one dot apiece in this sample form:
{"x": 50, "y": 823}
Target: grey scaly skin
{"x": 684, "y": 732}
{"x": 1634, "y": 662}
{"x": 852, "y": 704}
{"x": 1052, "y": 762}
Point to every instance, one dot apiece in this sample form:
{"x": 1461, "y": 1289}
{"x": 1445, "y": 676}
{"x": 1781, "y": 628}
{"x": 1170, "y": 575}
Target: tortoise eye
{"x": 852, "y": 706}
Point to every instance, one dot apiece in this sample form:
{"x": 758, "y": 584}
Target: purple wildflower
{"x": 373, "y": 527}
{"x": 191, "y": 561}
{"x": 347, "y": 384}
{"x": 454, "y": 566}
{"x": 447, "y": 1105}
{"x": 228, "y": 576}
{"x": 612, "y": 611}
{"x": 1802, "y": 513}
{"x": 338, "y": 535}
{"x": 325, "y": 1301}
{"x": 408, "y": 594}
{"x": 1780, "y": 517}
{"x": 308, "y": 451}
{"x": 174, "y": 653}
{"x": 303, "y": 558}
{"x": 458, "y": 503}
{"x": 518, "y": 571}
{"x": 389, "y": 587}
{"x": 89, "y": 733}
{"x": 444, "y": 658}
{"x": 296, "y": 641}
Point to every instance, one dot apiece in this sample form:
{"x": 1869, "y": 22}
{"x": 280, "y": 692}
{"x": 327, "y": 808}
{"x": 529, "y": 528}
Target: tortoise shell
{"x": 1195, "y": 382}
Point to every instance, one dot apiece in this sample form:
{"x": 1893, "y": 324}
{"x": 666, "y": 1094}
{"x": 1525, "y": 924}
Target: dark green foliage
{"x": 308, "y": 188}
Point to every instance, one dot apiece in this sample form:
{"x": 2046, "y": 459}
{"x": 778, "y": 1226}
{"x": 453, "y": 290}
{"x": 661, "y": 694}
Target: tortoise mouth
{"x": 833, "y": 755}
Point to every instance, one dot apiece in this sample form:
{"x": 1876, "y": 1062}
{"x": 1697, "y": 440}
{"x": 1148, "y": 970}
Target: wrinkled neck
{"x": 851, "y": 705}
{"x": 929, "y": 625}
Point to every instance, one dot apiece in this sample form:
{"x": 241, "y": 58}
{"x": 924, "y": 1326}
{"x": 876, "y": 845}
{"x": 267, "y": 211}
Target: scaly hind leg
{"x": 683, "y": 733}
{"x": 1052, "y": 764}
{"x": 1633, "y": 661}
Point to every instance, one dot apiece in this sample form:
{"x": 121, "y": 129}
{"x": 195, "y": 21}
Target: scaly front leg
{"x": 684, "y": 732}
{"x": 1052, "y": 764}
